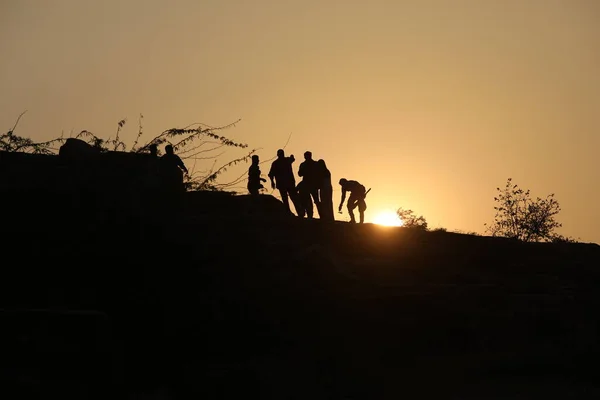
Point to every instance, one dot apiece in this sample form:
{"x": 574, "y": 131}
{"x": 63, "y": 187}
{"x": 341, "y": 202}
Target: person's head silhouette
{"x": 280, "y": 153}
{"x": 169, "y": 149}
{"x": 255, "y": 159}
{"x": 307, "y": 155}
{"x": 343, "y": 181}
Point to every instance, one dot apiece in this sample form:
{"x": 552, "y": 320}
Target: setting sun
{"x": 387, "y": 218}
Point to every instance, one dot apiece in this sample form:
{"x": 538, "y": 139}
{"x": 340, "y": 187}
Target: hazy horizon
{"x": 432, "y": 104}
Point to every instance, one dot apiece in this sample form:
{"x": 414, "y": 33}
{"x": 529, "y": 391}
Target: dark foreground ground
{"x": 214, "y": 307}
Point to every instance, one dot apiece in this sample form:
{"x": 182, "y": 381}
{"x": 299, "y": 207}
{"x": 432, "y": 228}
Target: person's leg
{"x": 308, "y": 204}
{"x": 293, "y": 193}
{"x": 314, "y": 193}
{"x": 327, "y": 203}
{"x": 323, "y": 205}
{"x": 362, "y": 206}
{"x": 284, "y": 198}
{"x": 351, "y": 207}
{"x": 253, "y": 189}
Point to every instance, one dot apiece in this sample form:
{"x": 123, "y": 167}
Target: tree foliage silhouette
{"x": 520, "y": 217}
{"x": 11, "y": 142}
{"x": 195, "y": 142}
{"x": 411, "y": 220}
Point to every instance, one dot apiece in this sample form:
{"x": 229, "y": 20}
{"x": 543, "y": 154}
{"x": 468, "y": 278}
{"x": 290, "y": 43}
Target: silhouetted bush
{"x": 470, "y": 233}
{"x": 195, "y": 142}
{"x": 13, "y": 143}
{"x": 520, "y": 217}
{"x": 564, "y": 239}
{"x": 411, "y": 220}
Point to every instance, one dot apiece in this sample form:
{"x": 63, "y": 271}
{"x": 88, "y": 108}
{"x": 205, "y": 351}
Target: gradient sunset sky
{"x": 431, "y": 103}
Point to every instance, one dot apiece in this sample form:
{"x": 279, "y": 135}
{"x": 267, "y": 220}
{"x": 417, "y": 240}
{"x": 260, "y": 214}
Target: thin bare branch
{"x": 17, "y": 122}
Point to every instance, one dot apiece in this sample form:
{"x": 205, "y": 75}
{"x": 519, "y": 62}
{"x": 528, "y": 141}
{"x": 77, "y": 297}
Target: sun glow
{"x": 387, "y": 218}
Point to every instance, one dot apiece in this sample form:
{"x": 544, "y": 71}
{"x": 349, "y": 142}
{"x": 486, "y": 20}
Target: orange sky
{"x": 432, "y": 104}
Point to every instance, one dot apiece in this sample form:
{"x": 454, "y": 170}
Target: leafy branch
{"x": 208, "y": 182}
{"x": 13, "y": 143}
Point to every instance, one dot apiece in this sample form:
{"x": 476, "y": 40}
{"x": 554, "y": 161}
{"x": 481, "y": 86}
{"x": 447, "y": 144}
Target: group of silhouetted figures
{"x": 315, "y": 189}
{"x": 169, "y": 168}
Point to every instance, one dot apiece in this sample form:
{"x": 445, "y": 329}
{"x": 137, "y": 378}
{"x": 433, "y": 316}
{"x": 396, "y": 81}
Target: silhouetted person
{"x": 173, "y": 160}
{"x": 153, "y": 150}
{"x": 357, "y": 198}
{"x": 254, "y": 179}
{"x": 282, "y": 179}
{"x": 309, "y": 171}
{"x": 325, "y": 192}
{"x": 153, "y": 164}
{"x": 154, "y": 172}
{"x": 305, "y": 200}
{"x": 172, "y": 169}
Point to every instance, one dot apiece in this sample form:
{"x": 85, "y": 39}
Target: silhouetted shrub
{"x": 470, "y": 233}
{"x": 411, "y": 220}
{"x": 520, "y": 217}
{"x": 195, "y": 142}
{"x": 564, "y": 239}
{"x": 13, "y": 143}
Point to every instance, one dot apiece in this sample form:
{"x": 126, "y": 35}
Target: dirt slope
{"x": 210, "y": 303}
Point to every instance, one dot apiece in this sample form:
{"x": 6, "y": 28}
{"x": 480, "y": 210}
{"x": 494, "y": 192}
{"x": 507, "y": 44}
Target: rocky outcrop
{"x": 78, "y": 150}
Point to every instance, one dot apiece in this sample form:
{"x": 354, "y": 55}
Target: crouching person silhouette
{"x": 356, "y": 198}
{"x": 254, "y": 179}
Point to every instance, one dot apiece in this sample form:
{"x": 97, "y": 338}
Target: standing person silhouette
{"x": 153, "y": 148}
{"x": 282, "y": 179}
{"x": 172, "y": 169}
{"x": 172, "y": 160}
{"x": 325, "y": 192}
{"x": 309, "y": 171}
{"x": 254, "y": 179}
{"x": 357, "y": 198}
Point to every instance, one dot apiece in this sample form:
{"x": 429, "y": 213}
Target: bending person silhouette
{"x": 254, "y": 179}
{"x": 325, "y": 192}
{"x": 282, "y": 179}
{"x": 309, "y": 171}
{"x": 356, "y": 198}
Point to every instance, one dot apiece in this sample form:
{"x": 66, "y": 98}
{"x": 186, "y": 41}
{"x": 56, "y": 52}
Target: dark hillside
{"x": 217, "y": 296}
{"x": 218, "y": 306}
